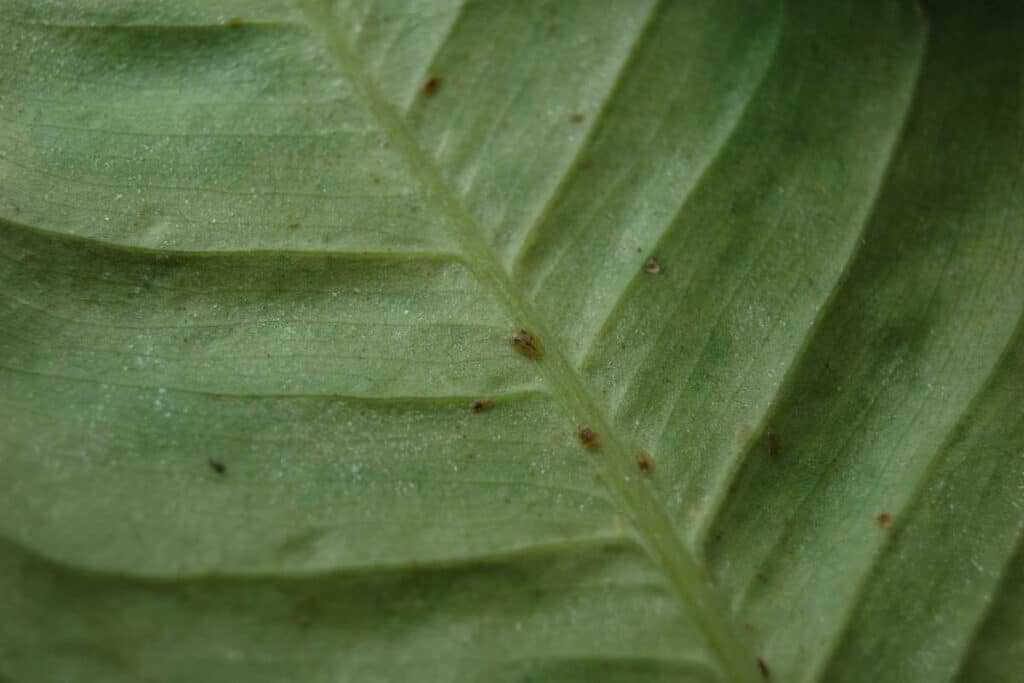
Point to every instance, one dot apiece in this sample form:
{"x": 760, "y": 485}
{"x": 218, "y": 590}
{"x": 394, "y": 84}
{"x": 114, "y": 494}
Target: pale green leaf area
{"x": 291, "y": 240}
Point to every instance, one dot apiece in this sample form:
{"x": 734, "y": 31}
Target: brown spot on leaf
{"x": 763, "y": 668}
{"x": 481, "y": 405}
{"x": 884, "y": 520}
{"x": 217, "y": 466}
{"x": 525, "y": 344}
{"x": 235, "y": 22}
{"x": 652, "y": 266}
{"x": 577, "y": 118}
{"x": 294, "y": 226}
{"x": 742, "y": 435}
{"x": 431, "y": 86}
{"x": 587, "y": 438}
{"x": 643, "y": 462}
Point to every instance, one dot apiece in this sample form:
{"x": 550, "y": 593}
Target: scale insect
{"x": 481, "y": 405}
{"x": 525, "y": 344}
{"x": 587, "y": 438}
{"x": 643, "y": 462}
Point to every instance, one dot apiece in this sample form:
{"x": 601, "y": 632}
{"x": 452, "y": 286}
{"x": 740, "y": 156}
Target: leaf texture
{"x": 260, "y": 419}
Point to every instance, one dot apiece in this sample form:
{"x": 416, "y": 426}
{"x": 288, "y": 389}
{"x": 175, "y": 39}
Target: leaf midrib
{"x": 688, "y": 578}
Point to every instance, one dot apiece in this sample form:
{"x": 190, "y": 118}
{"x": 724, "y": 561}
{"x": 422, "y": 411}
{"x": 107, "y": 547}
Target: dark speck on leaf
{"x": 481, "y": 405}
{"x": 577, "y": 118}
{"x": 431, "y": 86}
{"x": 765, "y": 674}
{"x": 525, "y": 344}
{"x": 643, "y": 462}
{"x": 235, "y": 22}
{"x": 773, "y": 445}
{"x": 218, "y": 466}
{"x": 652, "y": 266}
{"x": 587, "y": 438}
{"x": 884, "y": 520}
{"x": 294, "y": 226}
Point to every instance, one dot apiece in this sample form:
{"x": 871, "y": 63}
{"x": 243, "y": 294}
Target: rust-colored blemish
{"x": 431, "y": 86}
{"x": 525, "y": 344}
{"x": 884, "y": 520}
{"x": 587, "y": 438}
{"x": 577, "y": 118}
{"x": 481, "y": 405}
{"x": 643, "y": 462}
{"x": 294, "y": 226}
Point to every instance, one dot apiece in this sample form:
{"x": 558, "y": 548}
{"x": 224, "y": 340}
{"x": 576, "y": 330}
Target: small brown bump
{"x": 217, "y": 466}
{"x": 525, "y": 344}
{"x": 577, "y": 118}
{"x": 884, "y": 520}
{"x": 652, "y": 266}
{"x": 588, "y": 438}
{"x": 294, "y": 226}
{"x": 643, "y": 462}
{"x": 431, "y": 86}
{"x": 481, "y": 405}
{"x": 765, "y": 674}
{"x": 773, "y": 445}
{"x": 235, "y": 22}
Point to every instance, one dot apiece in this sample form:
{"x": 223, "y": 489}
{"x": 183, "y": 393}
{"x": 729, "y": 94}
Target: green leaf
{"x": 261, "y": 262}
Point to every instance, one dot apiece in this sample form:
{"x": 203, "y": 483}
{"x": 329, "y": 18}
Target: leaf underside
{"x": 258, "y": 259}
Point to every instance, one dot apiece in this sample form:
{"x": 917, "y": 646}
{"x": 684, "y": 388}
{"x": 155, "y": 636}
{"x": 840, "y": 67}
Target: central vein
{"x": 686, "y": 575}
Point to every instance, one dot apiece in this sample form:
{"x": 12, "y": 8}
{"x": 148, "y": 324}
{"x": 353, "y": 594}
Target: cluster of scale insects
{"x": 525, "y": 344}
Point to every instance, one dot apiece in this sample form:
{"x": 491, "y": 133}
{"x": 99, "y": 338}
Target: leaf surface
{"x": 260, "y": 259}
